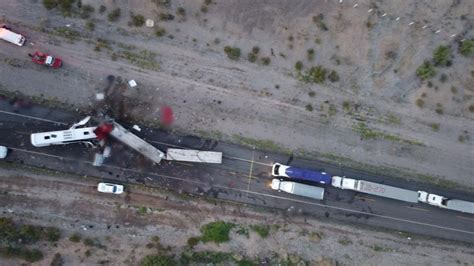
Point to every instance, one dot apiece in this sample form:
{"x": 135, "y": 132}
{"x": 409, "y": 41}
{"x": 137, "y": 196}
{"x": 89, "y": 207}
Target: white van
{"x": 10, "y": 36}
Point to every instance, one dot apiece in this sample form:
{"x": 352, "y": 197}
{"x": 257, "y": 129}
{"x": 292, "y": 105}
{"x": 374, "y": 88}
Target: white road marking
{"x": 32, "y": 117}
{"x": 264, "y": 194}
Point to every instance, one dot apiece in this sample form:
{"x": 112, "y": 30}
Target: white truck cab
{"x": 279, "y": 170}
{"x": 343, "y": 182}
{"x": 432, "y": 199}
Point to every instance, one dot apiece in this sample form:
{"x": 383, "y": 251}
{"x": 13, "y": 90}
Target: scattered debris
{"x": 137, "y": 128}
{"x": 99, "y": 96}
{"x": 149, "y": 23}
{"x": 132, "y": 83}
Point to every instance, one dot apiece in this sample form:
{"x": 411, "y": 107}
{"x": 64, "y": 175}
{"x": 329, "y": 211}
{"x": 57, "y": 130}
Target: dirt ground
{"x": 73, "y": 205}
{"x": 375, "y": 54}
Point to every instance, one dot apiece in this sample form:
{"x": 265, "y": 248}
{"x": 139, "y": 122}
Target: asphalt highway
{"x": 243, "y": 177}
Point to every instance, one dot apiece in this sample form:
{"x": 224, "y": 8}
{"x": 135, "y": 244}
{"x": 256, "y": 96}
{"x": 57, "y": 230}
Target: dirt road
{"x": 375, "y": 56}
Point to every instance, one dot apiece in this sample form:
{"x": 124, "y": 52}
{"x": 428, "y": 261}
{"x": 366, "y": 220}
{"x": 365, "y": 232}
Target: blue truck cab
{"x": 300, "y": 173}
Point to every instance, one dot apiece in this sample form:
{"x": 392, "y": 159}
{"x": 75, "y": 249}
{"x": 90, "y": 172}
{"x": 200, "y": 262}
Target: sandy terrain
{"x": 72, "y": 205}
{"x": 374, "y": 55}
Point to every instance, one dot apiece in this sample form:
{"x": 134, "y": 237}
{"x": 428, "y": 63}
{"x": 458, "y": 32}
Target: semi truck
{"x": 375, "y": 189}
{"x": 298, "y": 189}
{"x": 443, "y": 202}
{"x": 193, "y": 156}
{"x": 300, "y": 173}
{"x": 130, "y": 139}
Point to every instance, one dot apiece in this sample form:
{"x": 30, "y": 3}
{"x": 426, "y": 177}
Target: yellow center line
{"x": 364, "y": 198}
{"x": 462, "y": 217}
{"x": 419, "y": 209}
{"x": 250, "y": 172}
{"x": 188, "y": 164}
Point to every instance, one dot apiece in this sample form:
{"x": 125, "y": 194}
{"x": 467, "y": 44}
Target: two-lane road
{"x": 243, "y": 177}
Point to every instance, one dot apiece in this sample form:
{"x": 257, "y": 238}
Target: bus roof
{"x": 62, "y": 136}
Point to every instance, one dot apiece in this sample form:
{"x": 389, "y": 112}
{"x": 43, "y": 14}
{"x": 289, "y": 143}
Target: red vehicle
{"x": 46, "y": 60}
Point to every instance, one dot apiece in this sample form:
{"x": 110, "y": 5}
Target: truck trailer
{"x": 298, "y": 189}
{"x": 300, "y": 173}
{"x": 133, "y": 141}
{"x": 443, "y": 202}
{"x": 375, "y": 189}
{"x": 193, "y": 156}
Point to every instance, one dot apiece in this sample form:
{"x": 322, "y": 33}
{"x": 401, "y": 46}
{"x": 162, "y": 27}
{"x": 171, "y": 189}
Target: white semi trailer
{"x": 298, "y": 189}
{"x": 193, "y": 156}
{"x": 375, "y": 189}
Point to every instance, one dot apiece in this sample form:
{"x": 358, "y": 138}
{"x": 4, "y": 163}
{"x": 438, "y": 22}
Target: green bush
{"x": 102, "y": 9}
{"x": 203, "y": 9}
{"x": 114, "y": 15}
{"x": 425, "y": 71}
{"x": 309, "y": 107}
{"x": 75, "y": 237}
{"x": 299, "y": 66}
{"x": 443, "y": 78}
{"x": 310, "y": 54}
{"x": 317, "y": 74}
{"x": 90, "y": 26}
{"x": 52, "y": 234}
{"x": 420, "y": 103}
{"x": 193, "y": 241}
{"x": 466, "y": 48}
{"x": 166, "y": 16}
{"x": 207, "y": 2}
{"x": 252, "y": 57}
{"x": 30, "y": 233}
{"x": 88, "y": 242}
{"x": 66, "y": 6}
{"x": 434, "y": 127}
{"x": 30, "y": 255}
{"x": 86, "y": 11}
{"x": 266, "y": 61}
{"x": 159, "y": 32}
{"x": 346, "y": 106}
{"x": 232, "y": 52}
{"x": 442, "y": 56}
{"x": 50, "y": 4}
{"x": 57, "y": 260}
{"x": 333, "y": 76}
{"x": 439, "y": 109}
{"x": 137, "y": 20}
{"x": 255, "y": 49}
{"x": 263, "y": 230}
{"x": 206, "y": 257}
{"x": 217, "y": 232}
{"x": 181, "y": 11}
{"x": 158, "y": 260}
{"x": 320, "y": 23}
{"x": 142, "y": 210}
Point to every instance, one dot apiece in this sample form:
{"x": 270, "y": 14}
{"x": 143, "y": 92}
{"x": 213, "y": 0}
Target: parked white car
{"x": 110, "y": 188}
{"x": 3, "y": 152}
